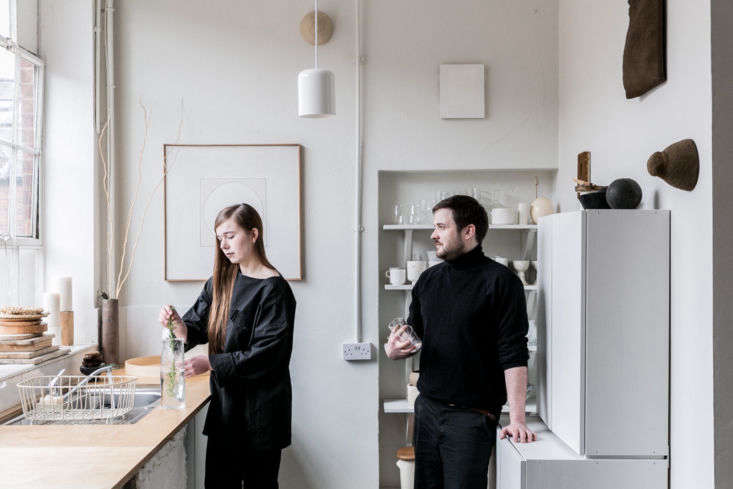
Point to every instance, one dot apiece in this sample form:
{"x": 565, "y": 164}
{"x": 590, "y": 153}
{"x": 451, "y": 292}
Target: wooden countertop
{"x": 92, "y": 456}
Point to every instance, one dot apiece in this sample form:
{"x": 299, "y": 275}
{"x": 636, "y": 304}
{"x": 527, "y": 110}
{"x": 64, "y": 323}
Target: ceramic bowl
{"x": 594, "y": 200}
{"x": 503, "y": 216}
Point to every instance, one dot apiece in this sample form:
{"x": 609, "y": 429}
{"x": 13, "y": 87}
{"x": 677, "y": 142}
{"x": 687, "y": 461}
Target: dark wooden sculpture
{"x": 678, "y": 164}
{"x": 645, "y": 64}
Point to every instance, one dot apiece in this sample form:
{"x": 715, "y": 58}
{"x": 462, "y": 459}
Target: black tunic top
{"x": 471, "y": 315}
{"x": 251, "y": 394}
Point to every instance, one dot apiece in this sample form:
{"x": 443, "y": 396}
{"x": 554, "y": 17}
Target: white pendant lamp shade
{"x": 315, "y": 93}
{"x": 315, "y": 86}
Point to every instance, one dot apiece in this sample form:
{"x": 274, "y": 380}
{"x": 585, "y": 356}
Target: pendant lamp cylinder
{"x": 315, "y": 93}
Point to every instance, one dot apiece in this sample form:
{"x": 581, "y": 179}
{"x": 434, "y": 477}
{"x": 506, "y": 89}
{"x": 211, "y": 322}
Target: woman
{"x": 245, "y": 312}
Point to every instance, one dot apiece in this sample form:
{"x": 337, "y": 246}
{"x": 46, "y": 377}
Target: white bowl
{"x": 503, "y": 216}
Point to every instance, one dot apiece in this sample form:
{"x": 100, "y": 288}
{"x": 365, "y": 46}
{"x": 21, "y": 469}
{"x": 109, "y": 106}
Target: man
{"x": 471, "y": 315}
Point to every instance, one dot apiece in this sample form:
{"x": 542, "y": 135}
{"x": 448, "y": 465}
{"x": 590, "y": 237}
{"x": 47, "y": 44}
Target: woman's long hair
{"x": 225, "y": 272}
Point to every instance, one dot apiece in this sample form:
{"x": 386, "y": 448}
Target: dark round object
{"x": 623, "y": 193}
{"x": 594, "y": 200}
{"x": 86, "y": 370}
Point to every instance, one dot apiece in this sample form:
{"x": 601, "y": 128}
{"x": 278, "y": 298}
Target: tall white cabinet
{"x": 602, "y": 354}
{"x": 604, "y": 344}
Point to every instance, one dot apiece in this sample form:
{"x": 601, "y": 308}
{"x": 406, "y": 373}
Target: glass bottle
{"x": 172, "y": 380}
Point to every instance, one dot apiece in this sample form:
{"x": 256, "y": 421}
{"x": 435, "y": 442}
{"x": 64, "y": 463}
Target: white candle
{"x": 62, "y": 285}
{"x": 51, "y": 305}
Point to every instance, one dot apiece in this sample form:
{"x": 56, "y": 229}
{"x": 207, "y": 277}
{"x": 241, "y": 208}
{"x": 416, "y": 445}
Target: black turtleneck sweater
{"x": 472, "y": 317}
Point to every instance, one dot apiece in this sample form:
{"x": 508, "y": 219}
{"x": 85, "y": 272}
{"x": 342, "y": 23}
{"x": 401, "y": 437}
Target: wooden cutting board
{"x": 17, "y": 337}
{"x": 35, "y": 360}
{"x": 32, "y": 344}
{"x": 36, "y": 328}
{"x": 28, "y": 354}
{"x": 23, "y": 339}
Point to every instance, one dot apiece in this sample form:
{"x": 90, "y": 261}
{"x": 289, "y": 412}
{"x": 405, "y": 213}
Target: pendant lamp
{"x": 315, "y": 86}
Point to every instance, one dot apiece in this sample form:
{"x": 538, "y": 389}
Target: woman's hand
{"x": 196, "y": 365}
{"x": 179, "y": 328}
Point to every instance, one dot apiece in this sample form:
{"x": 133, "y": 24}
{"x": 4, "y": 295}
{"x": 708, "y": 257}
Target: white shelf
{"x": 400, "y": 406}
{"x": 409, "y": 287}
{"x": 405, "y": 227}
{"x": 398, "y": 287}
{"x": 397, "y": 406}
{"x": 513, "y": 226}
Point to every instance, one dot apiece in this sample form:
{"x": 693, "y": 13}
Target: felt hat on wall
{"x": 678, "y": 164}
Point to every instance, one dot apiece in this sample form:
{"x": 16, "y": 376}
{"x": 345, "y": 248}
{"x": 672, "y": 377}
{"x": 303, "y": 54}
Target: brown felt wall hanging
{"x": 645, "y": 64}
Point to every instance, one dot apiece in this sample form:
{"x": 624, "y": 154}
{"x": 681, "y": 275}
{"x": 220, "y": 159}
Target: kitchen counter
{"x": 92, "y": 456}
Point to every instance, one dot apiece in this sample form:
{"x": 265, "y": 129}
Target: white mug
{"x": 396, "y": 275}
{"x": 523, "y": 210}
{"x": 414, "y": 269}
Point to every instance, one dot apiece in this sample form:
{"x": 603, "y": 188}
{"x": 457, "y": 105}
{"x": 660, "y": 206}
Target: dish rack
{"x": 77, "y": 398}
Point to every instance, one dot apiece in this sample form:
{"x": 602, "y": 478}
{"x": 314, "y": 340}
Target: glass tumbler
{"x": 408, "y": 334}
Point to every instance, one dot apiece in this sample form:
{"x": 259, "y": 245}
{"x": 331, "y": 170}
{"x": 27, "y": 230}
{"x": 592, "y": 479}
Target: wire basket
{"x": 101, "y": 398}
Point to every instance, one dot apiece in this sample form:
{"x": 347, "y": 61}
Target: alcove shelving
{"x": 402, "y": 241}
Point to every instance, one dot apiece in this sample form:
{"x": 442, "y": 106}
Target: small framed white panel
{"x": 462, "y": 91}
{"x": 203, "y": 179}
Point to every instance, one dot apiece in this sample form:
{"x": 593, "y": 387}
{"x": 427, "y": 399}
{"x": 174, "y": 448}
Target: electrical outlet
{"x": 357, "y": 351}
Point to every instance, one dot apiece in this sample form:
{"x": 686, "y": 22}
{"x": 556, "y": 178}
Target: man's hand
{"x": 196, "y": 365}
{"x": 519, "y": 432}
{"x": 396, "y": 347}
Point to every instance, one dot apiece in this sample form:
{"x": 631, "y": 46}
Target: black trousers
{"x": 228, "y": 466}
{"x": 452, "y": 446}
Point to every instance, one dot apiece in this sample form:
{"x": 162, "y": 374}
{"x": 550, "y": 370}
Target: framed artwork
{"x": 462, "y": 91}
{"x": 202, "y": 179}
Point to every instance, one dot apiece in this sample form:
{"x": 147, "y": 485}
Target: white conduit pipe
{"x": 358, "y": 229}
{"x": 97, "y": 66}
{"x": 111, "y": 218}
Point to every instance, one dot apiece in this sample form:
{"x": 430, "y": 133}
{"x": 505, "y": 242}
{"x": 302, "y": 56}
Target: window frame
{"x": 39, "y": 82}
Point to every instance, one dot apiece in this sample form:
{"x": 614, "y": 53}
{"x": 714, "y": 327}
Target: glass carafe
{"x": 172, "y": 380}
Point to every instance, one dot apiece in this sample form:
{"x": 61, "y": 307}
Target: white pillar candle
{"x": 51, "y": 304}
{"x": 62, "y": 285}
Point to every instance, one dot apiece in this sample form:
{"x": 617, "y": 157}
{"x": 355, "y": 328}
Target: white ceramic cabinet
{"x": 603, "y": 331}
{"x": 549, "y": 464}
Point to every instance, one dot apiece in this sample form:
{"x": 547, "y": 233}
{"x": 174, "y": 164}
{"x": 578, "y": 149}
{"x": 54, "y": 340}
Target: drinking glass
{"x": 408, "y": 334}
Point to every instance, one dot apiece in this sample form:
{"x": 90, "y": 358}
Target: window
{"x": 21, "y": 91}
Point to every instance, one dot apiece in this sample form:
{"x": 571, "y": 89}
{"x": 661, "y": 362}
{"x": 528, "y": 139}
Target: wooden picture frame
{"x": 270, "y": 175}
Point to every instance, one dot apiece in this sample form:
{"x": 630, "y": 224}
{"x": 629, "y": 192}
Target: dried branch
{"x": 131, "y": 209}
{"x": 166, "y": 169}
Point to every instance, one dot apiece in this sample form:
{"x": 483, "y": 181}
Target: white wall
{"x": 68, "y": 172}
{"x": 234, "y": 64}
{"x": 594, "y": 115}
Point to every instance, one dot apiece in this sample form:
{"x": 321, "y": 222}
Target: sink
{"x": 146, "y": 399}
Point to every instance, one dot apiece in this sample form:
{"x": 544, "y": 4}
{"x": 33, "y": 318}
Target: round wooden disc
{"x": 308, "y": 28}
{"x": 22, "y": 317}
{"x": 143, "y": 366}
{"x": 36, "y": 328}
{"x": 19, "y": 323}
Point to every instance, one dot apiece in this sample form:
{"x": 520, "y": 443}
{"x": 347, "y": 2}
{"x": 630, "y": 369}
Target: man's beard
{"x": 452, "y": 253}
